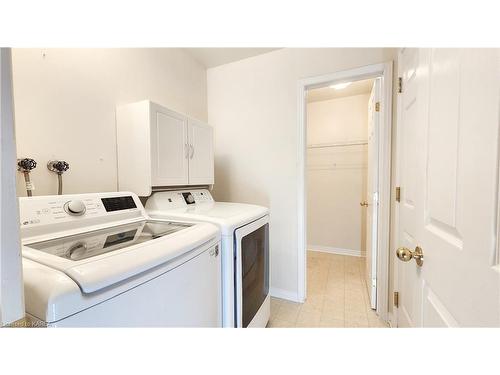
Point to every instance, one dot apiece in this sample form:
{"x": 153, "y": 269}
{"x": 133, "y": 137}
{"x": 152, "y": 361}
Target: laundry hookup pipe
{"x": 25, "y": 166}
{"x": 60, "y": 186}
{"x": 29, "y": 184}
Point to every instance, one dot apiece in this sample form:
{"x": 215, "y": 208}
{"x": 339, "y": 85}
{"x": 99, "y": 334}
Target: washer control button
{"x": 188, "y": 197}
{"x": 75, "y": 208}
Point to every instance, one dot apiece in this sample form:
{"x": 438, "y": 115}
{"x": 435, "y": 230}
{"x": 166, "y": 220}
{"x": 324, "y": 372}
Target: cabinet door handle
{"x": 192, "y": 151}
{"x": 186, "y": 150}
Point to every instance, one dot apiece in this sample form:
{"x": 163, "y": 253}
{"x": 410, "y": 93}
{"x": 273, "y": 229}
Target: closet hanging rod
{"x": 338, "y": 144}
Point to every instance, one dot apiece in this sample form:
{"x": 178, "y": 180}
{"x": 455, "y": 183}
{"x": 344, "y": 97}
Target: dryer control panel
{"x": 166, "y": 200}
{"x": 197, "y": 196}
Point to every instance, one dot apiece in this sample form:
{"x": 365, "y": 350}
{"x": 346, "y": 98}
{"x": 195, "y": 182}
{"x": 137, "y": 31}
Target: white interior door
{"x": 169, "y": 148}
{"x": 201, "y": 153}
{"x": 372, "y": 194}
{"x": 11, "y": 279}
{"x": 448, "y": 171}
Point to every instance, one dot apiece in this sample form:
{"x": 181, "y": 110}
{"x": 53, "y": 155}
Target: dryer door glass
{"x": 255, "y": 272}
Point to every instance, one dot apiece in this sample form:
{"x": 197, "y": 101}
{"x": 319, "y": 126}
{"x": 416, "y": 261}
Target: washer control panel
{"x": 54, "y": 209}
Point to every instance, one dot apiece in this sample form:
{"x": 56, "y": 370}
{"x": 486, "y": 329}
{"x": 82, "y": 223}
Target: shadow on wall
{"x": 225, "y": 191}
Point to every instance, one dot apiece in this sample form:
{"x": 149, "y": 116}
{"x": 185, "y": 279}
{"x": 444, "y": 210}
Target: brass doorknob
{"x": 363, "y": 204}
{"x": 406, "y": 255}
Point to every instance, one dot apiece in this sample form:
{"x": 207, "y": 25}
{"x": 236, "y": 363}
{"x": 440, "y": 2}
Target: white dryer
{"x": 98, "y": 260}
{"x": 245, "y": 249}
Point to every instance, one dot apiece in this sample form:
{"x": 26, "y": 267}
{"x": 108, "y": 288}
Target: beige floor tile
{"x": 288, "y": 311}
{"x": 327, "y": 321}
{"x": 355, "y": 303}
{"x": 315, "y": 291}
{"x": 379, "y": 323}
{"x": 335, "y": 281}
{"x": 276, "y": 302}
{"x": 314, "y": 302}
{"x": 317, "y": 255}
{"x": 285, "y": 302}
{"x": 280, "y": 324}
{"x": 329, "y": 314}
{"x": 308, "y": 318}
{"x": 275, "y": 305}
{"x": 355, "y": 284}
{"x": 337, "y": 296}
{"x": 319, "y": 280}
{"x": 335, "y": 288}
{"x": 354, "y": 294}
{"x": 333, "y": 310}
{"x": 336, "y": 324}
{"x": 354, "y": 319}
{"x": 355, "y": 324}
{"x": 274, "y": 312}
{"x": 374, "y": 321}
{"x": 335, "y": 265}
{"x": 335, "y": 278}
{"x": 351, "y": 310}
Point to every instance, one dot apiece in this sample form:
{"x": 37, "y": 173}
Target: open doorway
{"x": 342, "y": 161}
{"x": 344, "y": 125}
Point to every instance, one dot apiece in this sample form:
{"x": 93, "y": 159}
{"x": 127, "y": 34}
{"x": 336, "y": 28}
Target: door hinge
{"x": 396, "y": 299}
{"x": 400, "y": 85}
{"x": 377, "y": 107}
{"x": 398, "y": 194}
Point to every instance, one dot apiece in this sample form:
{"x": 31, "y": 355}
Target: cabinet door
{"x": 169, "y": 148}
{"x": 201, "y": 153}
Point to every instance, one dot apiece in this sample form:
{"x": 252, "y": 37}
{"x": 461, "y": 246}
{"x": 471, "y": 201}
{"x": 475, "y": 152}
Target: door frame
{"x": 384, "y": 71}
{"x": 394, "y": 317}
{"x": 11, "y": 270}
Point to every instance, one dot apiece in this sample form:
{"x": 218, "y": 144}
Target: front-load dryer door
{"x": 252, "y": 271}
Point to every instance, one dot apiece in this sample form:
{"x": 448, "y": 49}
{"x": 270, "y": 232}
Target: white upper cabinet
{"x": 157, "y": 147}
{"x": 201, "y": 153}
{"x": 169, "y": 146}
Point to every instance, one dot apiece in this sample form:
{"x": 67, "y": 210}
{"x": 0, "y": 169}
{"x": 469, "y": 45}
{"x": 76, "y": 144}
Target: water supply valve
{"x": 58, "y": 166}
{"x": 26, "y": 165}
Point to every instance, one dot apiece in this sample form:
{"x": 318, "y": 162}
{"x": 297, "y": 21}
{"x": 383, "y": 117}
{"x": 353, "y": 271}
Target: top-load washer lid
{"x": 94, "y": 243}
{"x": 101, "y": 258}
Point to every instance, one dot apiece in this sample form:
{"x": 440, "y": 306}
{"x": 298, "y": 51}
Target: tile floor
{"x": 336, "y": 296}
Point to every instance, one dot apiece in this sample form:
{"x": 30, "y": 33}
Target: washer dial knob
{"x": 75, "y": 208}
{"x": 188, "y": 197}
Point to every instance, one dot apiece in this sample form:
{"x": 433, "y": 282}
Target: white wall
{"x": 11, "y": 279}
{"x": 65, "y": 102}
{"x": 336, "y": 176}
{"x": 253, "y": 106}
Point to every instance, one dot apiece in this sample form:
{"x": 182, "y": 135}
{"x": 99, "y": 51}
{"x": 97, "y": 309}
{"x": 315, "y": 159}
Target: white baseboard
{"x": 284, "y": 294}
{"x": 334, "y": 250}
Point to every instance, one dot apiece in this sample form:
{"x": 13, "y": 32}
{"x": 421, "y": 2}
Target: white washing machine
{"x": 98, "y": 260}
{"x": 245, "y": 249}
